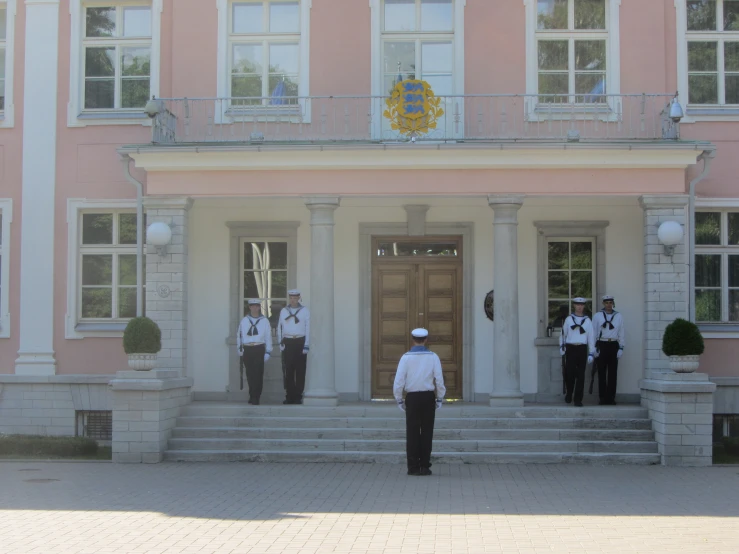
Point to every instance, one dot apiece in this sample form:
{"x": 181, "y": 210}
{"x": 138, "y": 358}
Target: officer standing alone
{"x": 293, "y": 333}
{"x": 609, "y": 328}
{"x": 419, "y": 374}
{"x": 576, "y": 344}
{"x": 254, "y": 342}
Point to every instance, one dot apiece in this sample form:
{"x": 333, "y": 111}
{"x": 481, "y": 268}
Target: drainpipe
{"x": 139, "y": 234}
{"x": 707, "y": 156}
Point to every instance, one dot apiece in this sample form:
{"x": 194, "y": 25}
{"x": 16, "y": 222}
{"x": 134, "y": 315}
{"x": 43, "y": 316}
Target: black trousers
{"x": 576, "y": 358}
{"x": 254, "y": 363}
{"x": 420, "y": 411}
{"x": 607, "y": 370}
{"x": 295, "y": 362}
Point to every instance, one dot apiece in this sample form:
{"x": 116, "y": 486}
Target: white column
{"x": 506, "y": 356}
{"x": 320, "y": 380}
{"x": 36, "y": 352}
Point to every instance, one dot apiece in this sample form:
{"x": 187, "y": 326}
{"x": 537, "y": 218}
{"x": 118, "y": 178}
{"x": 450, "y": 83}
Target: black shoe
{"x": 424, "y": 471}
{"x": 612, "y": 402}
{"x": 250, "y": 401}
{"x": 414, "y": 471}
{"x": 288, "y": 402}
{"x": 256, "y": 402}
{"x": 603, "y": 403}
{"x": 568, "y": 398}
{"x": 578, "y": 404}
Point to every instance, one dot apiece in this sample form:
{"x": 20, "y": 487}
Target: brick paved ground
{"x": 358, "y": 508}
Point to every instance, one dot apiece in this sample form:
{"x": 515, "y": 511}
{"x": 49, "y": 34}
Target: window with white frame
{"x": 3, "y": 50}
{"x": 106, "y": 265}
{"x": 712, "y": 34}
{"x": 570, "y": 273}
{"x": 717, "y": 266}
{"x": 264, "y": 274}
{"x": 572, "y": 44}
{"x": 264, "y": 39}
{"x": 116, "y": 50}
{"x": 6, "y": 217}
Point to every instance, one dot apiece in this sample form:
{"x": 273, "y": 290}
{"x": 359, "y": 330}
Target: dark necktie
{"x": 253, "y": 331}
{"x": 608, "y": 324}
{"x": 576, "y": 325}
{"x": 293, "y": 315}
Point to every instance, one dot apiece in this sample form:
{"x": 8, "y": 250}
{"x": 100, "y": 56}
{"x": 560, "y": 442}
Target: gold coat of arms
{"x": 413, "y": 108}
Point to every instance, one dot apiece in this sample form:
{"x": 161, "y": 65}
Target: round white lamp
{"x": 670, "y": 234}
{"x": 159, "y": 234}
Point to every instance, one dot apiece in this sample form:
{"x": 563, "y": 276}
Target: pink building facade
{"x": 552, "y": 164}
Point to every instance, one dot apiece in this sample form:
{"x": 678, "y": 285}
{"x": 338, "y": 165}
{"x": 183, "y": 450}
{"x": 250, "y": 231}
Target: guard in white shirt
{"x": 609, "y": 346}
{"x": 576, "y": 344}
{"x": 254, "y": 341}
{"x": 419, "y": 374}
{"x": 293, "y": 333}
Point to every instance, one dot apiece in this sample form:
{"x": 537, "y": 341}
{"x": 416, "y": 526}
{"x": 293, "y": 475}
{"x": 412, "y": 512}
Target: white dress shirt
{"x": 419, "y": 370}
{"x": 605, "y": 333}
{"x": 574, "y": 336}
{"x": 254, "y": 330}
{"x": 289, "y": 328}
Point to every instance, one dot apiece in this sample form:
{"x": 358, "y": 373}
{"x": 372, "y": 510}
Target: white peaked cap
{"x": 293, "y": 292}
{"x": 607, "y": 297}
{"x": 420, "y": 333}
{"x": 578, "y": 300}
{"x": 254, "y": 301}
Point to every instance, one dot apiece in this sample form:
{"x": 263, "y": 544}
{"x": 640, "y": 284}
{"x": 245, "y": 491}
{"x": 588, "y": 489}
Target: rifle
{"x": 592, "y": 375}
{"x": 564, "y": 373}
{"x": 242, "y": 370}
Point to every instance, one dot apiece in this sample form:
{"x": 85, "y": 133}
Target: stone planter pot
{"x": 142, "y": 362}
{"x": 684, "y": 364}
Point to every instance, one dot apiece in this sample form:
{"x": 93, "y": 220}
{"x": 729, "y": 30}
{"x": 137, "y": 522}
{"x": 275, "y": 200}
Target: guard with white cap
{"x": 419, "y": 374}
{"x": 254, "y": 341}
{"x": 576, "y": 344}
{"x": 293, "y": 333}
{"x": 609, "y": 347}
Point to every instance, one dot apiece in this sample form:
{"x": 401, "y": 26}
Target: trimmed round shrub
{"x": 142, "y": 336}
{"x": 682, "y": 338}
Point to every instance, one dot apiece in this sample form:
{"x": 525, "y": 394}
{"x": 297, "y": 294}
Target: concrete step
{"x": 398, "y": 422}
{"x": 513, "y": 457}
{"x": 399, "y": 434}
{"x": 303, "y": 445}
{"x": 389, "y": 409}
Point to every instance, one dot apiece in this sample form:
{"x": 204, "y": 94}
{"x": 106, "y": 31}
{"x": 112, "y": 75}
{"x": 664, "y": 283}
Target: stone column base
{"x": 681, "y": 409}
{"x": 146, "y": 405}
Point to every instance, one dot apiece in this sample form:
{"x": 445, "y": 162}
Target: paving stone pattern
{"x": 182, "y": 508}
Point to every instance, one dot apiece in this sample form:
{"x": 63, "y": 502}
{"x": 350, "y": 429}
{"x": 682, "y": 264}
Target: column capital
{"x": 168, "y": 202}
{"x": 663, "y": 201}
{"x": 317, "y": 202}
{"x": 514, "y": 201}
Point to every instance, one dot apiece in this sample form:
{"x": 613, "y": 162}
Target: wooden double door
{"x": 416, "y": 283}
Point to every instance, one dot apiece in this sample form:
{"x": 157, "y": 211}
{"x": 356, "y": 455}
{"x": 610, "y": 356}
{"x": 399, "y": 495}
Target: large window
{"x": 712, "y": 32}
{"x": 572, "y": 50}
{"x": 264, "y": 51}
{"x": 717, "y": 267}
{"x": 570, "y": 273}
{"x": 264, "y": 276}
{"x": 5, "y": 218}
{"x": 117, "y": 56}
{"x": 3, "y": 38}
{"x": 107, "y": 266}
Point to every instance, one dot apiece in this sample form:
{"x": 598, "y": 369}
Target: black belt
{"x": 571, "y": 345}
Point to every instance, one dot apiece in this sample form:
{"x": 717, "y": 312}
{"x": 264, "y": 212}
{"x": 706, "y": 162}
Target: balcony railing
{"x": 361, "y": 119}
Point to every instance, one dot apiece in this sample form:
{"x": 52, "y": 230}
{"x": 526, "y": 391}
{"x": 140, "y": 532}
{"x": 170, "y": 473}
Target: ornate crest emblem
{"x": 413, "y": 108}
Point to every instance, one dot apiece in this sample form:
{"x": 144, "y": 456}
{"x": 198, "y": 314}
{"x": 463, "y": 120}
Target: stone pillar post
{"x": 36, "y": 349}
{"x": 166, "y": 281}
{"x": 320, "y": 384}
{"x": 666, "y": 277}
{"x": 506, "y": 356}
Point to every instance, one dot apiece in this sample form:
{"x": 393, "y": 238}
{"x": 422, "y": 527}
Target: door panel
{"x": 423, "y": 292}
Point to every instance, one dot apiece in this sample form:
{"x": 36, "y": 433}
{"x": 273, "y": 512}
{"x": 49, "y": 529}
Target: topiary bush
{"x": 682, "y": 338}
{"x": 142, "y": 336}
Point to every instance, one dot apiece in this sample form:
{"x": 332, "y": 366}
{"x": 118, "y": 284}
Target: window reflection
{"x": 390, "y": 249}
{"x": 265, "y": 277}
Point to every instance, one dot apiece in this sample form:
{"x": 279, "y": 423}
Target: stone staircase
{"x": 375, "y": 432}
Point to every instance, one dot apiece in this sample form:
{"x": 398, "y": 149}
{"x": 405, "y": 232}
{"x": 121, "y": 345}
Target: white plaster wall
{"x": 210, "y": 279}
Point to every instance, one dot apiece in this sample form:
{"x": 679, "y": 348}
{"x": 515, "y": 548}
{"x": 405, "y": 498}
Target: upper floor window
{"x": 717, "y": 267}
{"x": 3, "y": 38}
{"x": 572, "y": 44}
{"x": 117, "y": 48}
{"x": 713, "y": 51}
{"x": 264, "y": 51}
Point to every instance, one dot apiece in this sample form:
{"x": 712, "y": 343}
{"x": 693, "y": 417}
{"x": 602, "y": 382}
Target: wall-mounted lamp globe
{"x": 670, "y": 234}
{"x": 159, "y": 234}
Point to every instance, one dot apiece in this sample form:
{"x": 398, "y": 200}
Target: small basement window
{"x": 96, "y": 425}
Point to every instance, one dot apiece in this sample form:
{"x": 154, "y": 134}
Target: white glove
{"x": 266, "y": 357}
{"x": 561, "y": 350}
{"x": 401, "y": 405}
{"x": 305, "y": 350}
{"x": 590, "y": 359}
{"x": 597, "y": 353}
{"x": 439, "y": 402}
{"x": 282, "y": 348}
{"x": 619, "y": 354}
